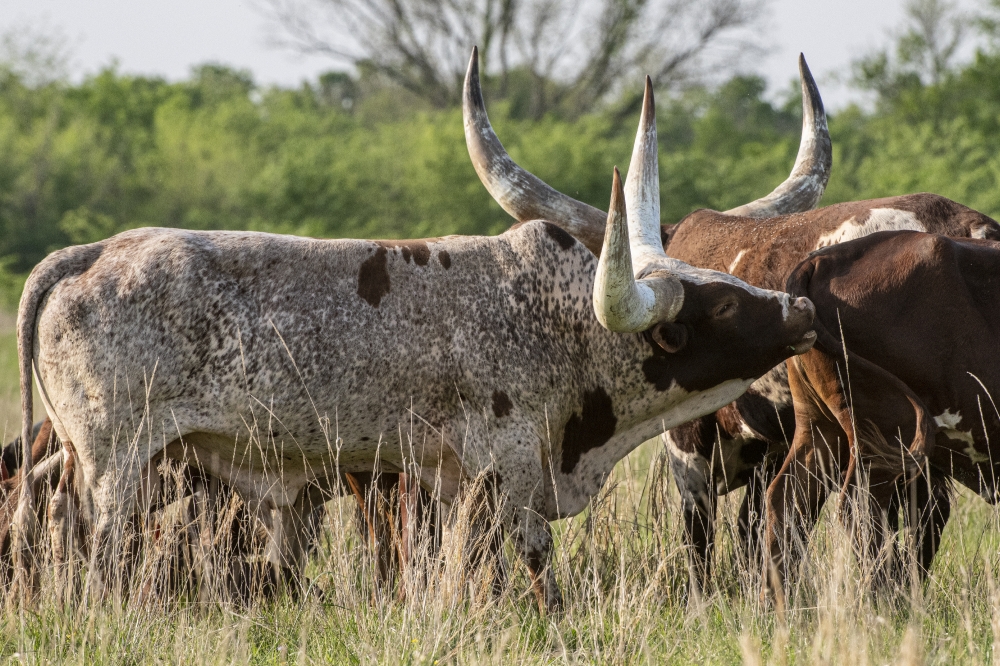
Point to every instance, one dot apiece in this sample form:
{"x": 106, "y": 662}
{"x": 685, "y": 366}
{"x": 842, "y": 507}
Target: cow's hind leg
{"x": 114, "y": 507}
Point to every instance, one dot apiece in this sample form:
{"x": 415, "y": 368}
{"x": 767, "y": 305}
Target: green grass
{"x": 622, "y": 571}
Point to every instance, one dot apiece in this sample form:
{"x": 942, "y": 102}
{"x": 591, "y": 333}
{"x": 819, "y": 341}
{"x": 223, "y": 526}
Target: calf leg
{"x": 798, "y": 492}
{"x": 375, "y": 494}
{"x": 26, "y": 524}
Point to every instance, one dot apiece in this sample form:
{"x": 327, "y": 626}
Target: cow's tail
{"x": 52, "y": 269}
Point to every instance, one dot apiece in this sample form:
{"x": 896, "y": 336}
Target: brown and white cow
{"x": 759, "y": 242}
{"x": 278, "y": 362}
{"x": 904, "y": 377}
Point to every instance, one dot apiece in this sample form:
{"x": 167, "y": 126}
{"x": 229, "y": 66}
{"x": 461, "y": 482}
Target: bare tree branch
{"x": 578, "y": 55}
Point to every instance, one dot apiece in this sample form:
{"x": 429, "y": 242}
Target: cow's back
{"x": 764, "y": 251}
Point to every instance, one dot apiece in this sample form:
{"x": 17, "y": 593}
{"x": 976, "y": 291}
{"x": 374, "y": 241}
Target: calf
{"x": 902, "y": 381}
{"x": 44, "y": 445}
{"x": 203, "y": 536}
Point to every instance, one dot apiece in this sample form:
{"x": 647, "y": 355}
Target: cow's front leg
{"x": 533, "y": 542}
{"x": 692, "y": 473}
{"x": 525, "y": 518}
{"x": 750, "y": 524}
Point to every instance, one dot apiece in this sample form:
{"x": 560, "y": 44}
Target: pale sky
{"x": 167, "y": 38}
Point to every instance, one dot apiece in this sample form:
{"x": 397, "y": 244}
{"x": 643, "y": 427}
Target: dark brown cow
{"x": 742, "y": 443}
{"x": 919, "y": 315}
{"x": 760, "y": 243}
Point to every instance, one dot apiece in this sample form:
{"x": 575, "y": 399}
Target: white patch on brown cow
{"x": 774, "y": 386}
{"x": 948, "y": 423}
{"x": 878, "y": 219}
{"x": 736, "y": 261}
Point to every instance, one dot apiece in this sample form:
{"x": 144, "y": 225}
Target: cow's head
{"x": 706, "y": 327}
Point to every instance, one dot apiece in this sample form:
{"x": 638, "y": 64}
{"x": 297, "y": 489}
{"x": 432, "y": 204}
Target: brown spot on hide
{"x": 445, "y": 259}
{"x": 501, "y": 404}
{"x": 373, "y": 278}
{"x": 411, "y": 248}
{"x": 560, "y": 236}
{"x": 592, "y": 428}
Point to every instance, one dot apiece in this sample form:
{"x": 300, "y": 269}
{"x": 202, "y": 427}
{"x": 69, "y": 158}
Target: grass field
{"x": 622, "y": 571}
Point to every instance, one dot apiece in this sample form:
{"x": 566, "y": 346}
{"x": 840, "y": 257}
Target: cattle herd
{"x": 225, "y": 385}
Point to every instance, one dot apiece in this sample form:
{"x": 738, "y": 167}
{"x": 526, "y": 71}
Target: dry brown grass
{"x": 623, "y": 573}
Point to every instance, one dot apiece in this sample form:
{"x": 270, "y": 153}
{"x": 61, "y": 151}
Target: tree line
{"x": 352, "y": 155}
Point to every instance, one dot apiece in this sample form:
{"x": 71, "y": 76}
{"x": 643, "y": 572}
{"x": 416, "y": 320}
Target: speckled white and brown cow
{"x": 276, "y": 362}
{"x": 759, "y": 242}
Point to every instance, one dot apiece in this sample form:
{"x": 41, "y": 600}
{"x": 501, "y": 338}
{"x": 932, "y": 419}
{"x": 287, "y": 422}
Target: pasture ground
{"x": 623, "y": 574}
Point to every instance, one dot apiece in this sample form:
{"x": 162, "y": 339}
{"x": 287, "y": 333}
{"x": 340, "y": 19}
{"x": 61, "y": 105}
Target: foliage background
{"x": 352, "y": 156}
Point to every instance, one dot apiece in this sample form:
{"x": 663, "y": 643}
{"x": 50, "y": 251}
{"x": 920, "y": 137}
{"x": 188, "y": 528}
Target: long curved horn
{"x": 803, "y": 189}
{"x": 642, "y": 188}
{"x": 621, "y": 303}
{"x": 523, "y": 195}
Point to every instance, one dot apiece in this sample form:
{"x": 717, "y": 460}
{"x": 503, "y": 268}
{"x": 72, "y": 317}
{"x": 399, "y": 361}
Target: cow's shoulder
{"x": 540, "y": 240}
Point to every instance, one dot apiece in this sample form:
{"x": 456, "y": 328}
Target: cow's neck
{"x": 641, "y": 411}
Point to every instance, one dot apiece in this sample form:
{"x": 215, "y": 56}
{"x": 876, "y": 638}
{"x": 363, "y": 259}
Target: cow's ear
{"x": 670, "y": 337}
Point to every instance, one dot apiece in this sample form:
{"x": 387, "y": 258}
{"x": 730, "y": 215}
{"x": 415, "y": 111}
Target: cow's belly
{"x": 123, "y": 401}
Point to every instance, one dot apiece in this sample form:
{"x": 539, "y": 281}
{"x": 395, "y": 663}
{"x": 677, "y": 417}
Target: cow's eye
{"x": 727, "y": 308}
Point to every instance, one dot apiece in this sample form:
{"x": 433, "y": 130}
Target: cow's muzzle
{"x": 803, "y": 345}
{"x": 801, "y": 313}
